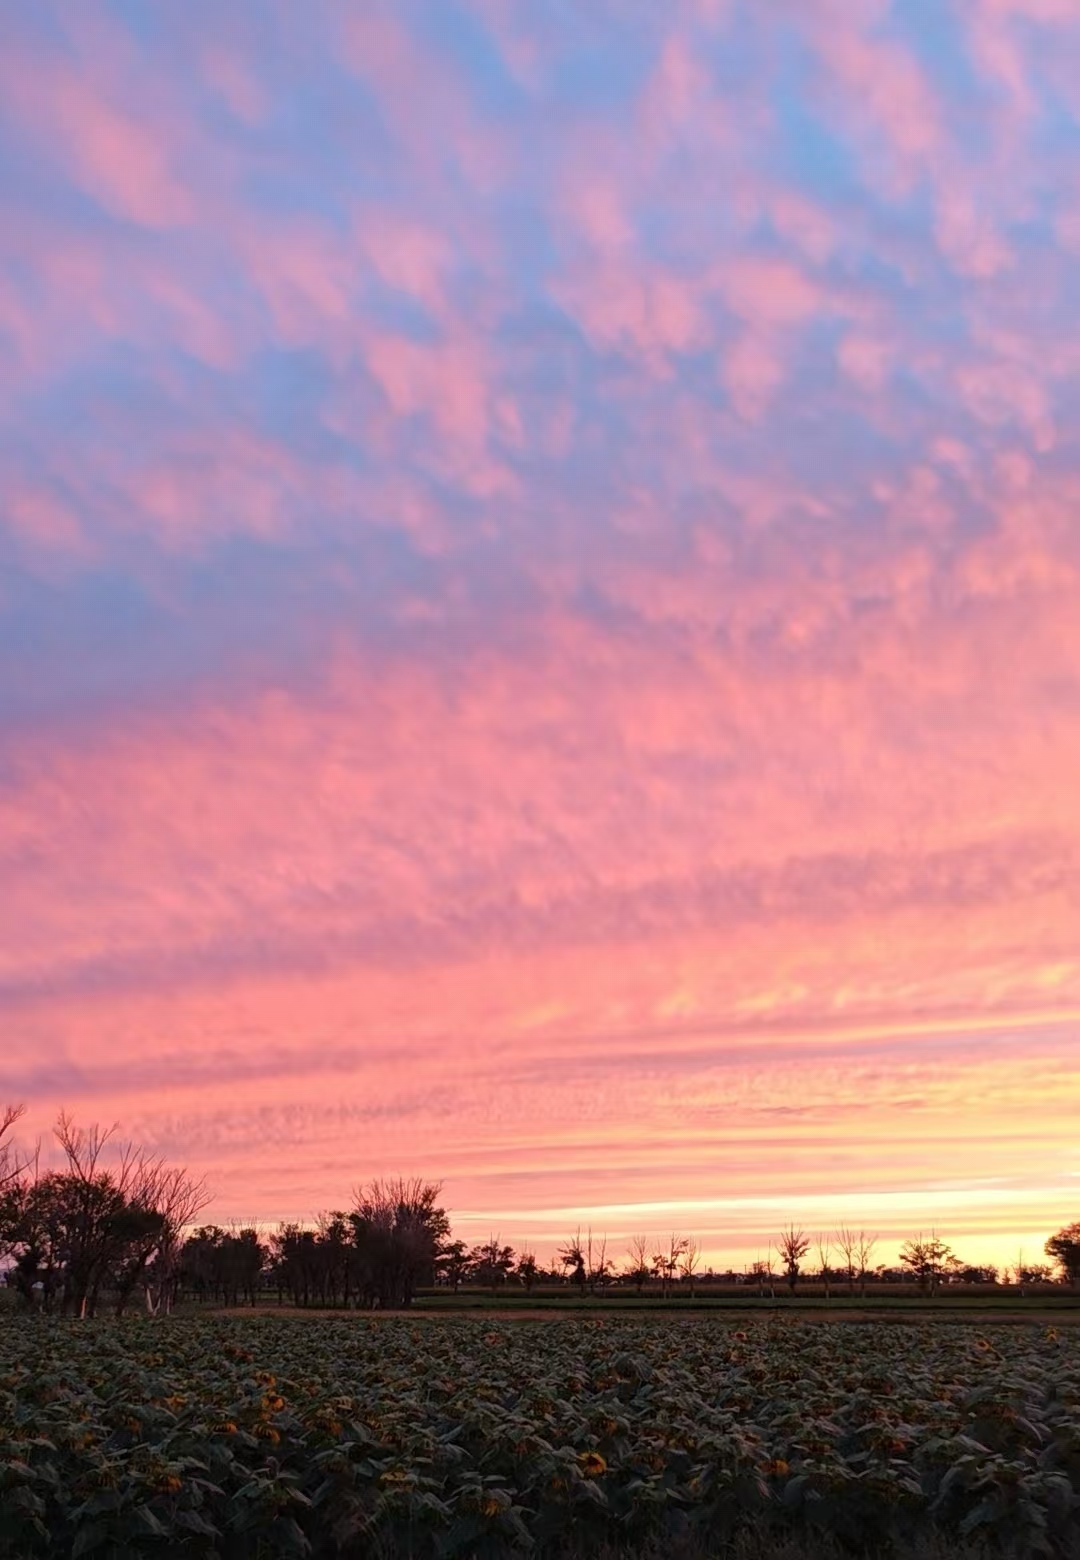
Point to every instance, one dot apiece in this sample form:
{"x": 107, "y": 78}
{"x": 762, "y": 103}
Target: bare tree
{"x": 666, "y": 1261}
{"x": 824, "y": 1256}
{"x": 690, "y": 1262}
{"x": 848, "y": 1243}
{"x": 179, "y": 1200}
{"x": 12, "y": 1166}
{"x": 856, "y": 1248}
{"x": 96, "y": 1205}
{"x": 639, "y": 1268}
{"x": 864, "y": 1250}
{"x": 597, "y": 1264}
{"x": 791, "y": 1248}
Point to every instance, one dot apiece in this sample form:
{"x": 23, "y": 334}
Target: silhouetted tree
{"x": 791, "y": 1247}
{"x": 927, "y": 1258}
{"x": 12, "y": 1166}
{"x": 492, "y": 1263}
{"x": 399, "y": 1229}
{"x": 690, "y": 1262}
{"x": 856, "y": 1248}
{"x": 572, "y": 1261}
{"x": 823, "y": 1246}
{"x": 639, "y": 1269}
{"x": 666, "y": 1261}
{"x": 453, "y": 1262}
{"x": 1064, "y": 1248}
{"x": 227, "y": 1265}
{"x": 976, "y": 1273}
{"x": 90, "y": 1230}
{"x": 598, "y": 1268}
{"x": 527, "y": 1269}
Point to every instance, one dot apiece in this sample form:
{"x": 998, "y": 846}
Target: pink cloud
{"x": 125, "y": 157}
{"x": 752, "y": 370}
{"x": 967, "y": 237}
{"x": 878, "y": 85}
{"x": 406, "y": 254}
{"x": 866, "y": 360}
{"x": 770, "y": 293}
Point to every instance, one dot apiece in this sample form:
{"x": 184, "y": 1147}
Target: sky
{"x": 540, "y": 606}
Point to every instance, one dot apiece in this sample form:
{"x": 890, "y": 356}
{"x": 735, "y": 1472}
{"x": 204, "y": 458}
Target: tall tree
{"x": 399, "y": 1228}
{"x": 1064, "y": 1249}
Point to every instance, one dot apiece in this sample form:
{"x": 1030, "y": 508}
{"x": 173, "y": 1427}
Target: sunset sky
{"x": 540, "y": 606}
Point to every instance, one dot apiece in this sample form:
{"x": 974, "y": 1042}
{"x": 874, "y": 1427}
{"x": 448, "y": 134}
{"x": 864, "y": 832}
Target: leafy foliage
{"x": 266, "y": 1436}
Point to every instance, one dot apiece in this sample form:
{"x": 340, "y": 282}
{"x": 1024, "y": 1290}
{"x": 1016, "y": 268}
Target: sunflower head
{"x": 592, "y": 1464}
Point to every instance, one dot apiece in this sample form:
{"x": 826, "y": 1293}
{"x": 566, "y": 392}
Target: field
{"x": 265, "y": 1436}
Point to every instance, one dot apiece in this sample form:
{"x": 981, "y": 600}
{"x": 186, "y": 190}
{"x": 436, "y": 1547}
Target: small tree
{"x": 453, "y": 1263}
{"x": 977, "y": 1273}
{"x": 598, "y": 1267}
{"x": 761, "y": 1272}
{"x": 847, "y": 1242}
{"x": 572, "y": 1261}
{"x": 1064, "y": 1248}
{"x": 824, "y": 1256}
{"x": 791, "y": 1248}
{"x": 690, "y": 1262}
{"x": 527, "y": 1269}
{"x": 927, "y": 1258}
{"x": 493, "y": 1262}
{"x": 666, "y": 1261}
{"x": 856, "y": 1248}
{"x": 864, "y": 1250}
{"x": 638, "y": 1268}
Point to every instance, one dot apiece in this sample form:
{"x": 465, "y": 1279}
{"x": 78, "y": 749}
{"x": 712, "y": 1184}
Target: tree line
{"x": 115, "y": 1227}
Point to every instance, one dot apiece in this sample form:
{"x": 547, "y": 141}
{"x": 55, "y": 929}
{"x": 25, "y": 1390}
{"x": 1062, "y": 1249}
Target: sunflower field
{"x": 436, "y": 1438}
